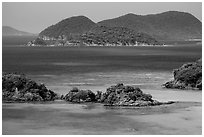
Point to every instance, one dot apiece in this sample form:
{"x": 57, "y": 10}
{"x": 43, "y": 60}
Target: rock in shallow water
{"x": 79, "y": 96}
{"x": 16, "y": 87}
{"x": 118, "y": 95}
{"x": 188, "y": 76}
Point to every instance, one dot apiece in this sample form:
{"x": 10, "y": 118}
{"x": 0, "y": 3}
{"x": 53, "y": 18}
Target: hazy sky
{"x": 34, "y": 17}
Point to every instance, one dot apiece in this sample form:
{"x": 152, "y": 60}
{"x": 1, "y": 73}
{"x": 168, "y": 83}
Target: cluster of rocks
{"x": 16, "y": 87}
{"x": 118, "y": 95}
{"x": 188, "y": 76}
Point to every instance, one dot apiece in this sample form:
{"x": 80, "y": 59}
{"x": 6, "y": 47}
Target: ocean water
{"x": 96, "y": 68}
{"x": 67, "y": 67}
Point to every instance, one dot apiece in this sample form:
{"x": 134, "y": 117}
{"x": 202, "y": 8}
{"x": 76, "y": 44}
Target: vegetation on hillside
{"x": 69, "y": 27}
{"x": 129, "y": 29}
{"x": 116, "y": 35}
{"x": 171, "y": 25}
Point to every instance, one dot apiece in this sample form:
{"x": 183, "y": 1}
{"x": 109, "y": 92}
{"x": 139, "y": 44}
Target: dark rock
{"x": 79, "y": 96}
{"x": 99, "y": 96}
{"x": 188, "y": 76}
{"x": 16, "y": 87}
{"x": 75, "y": 89}
{"x": 62, "y": 97}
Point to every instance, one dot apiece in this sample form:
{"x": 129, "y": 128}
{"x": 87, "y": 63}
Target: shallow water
{"x": 64, "y": 118}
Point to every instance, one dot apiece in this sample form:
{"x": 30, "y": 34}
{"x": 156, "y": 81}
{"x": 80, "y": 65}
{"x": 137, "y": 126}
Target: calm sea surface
{"x": 96, "y": 68}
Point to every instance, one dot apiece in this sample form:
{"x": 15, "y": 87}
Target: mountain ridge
{"x": 129, "y": 29}
{"x": 167, "y": 25}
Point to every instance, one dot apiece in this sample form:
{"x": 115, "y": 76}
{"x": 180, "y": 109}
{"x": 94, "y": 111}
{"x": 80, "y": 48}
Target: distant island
{"x": 12, "y": 36}
{"x": 126, "y": 30}
{"x": 9, "y": 31}
{"x": 99, "y": 36}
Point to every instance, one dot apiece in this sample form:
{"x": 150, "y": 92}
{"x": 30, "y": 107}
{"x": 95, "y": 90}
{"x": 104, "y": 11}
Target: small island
{"x": 81, "y": 31}
{"x": 99, "y": 36}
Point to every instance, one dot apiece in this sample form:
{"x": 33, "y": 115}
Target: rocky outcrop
{"x": 18, "y": 88}
{"x": 80, "y": 96}
{"x": 188, "y": 76}
{"x": 120, "y": 95}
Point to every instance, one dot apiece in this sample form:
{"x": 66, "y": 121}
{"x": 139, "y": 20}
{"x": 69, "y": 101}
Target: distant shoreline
{"x": 166, "y": 44}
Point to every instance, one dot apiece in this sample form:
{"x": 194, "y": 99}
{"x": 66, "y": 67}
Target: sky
{"x": 35, "y": 16}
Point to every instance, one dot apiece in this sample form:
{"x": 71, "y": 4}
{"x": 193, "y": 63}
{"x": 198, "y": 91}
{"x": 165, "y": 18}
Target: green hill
{"x": 69, "y": 27}
{"x": 129, "y": 29}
